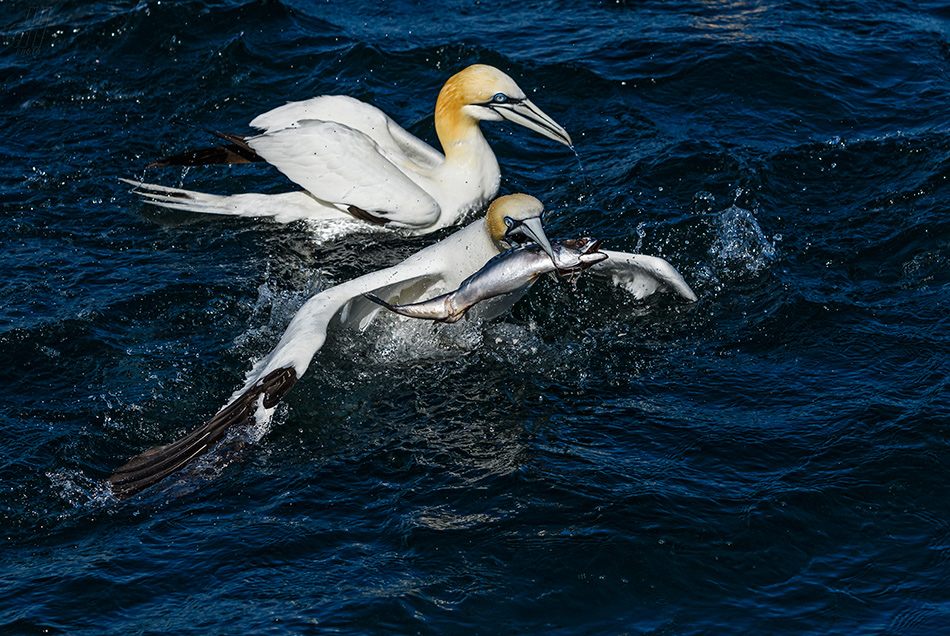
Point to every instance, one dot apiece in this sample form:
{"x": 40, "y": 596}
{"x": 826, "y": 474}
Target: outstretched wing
{"x": 345, "y": 167}
{"x": 273, "y": 377}
{"x": 642, "y": 275}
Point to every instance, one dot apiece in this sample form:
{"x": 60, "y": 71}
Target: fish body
{"x": 511, "y": 272}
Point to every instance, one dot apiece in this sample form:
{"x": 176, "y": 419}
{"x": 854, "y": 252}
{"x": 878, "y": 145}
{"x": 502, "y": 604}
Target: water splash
{"x": 331, "y": 231}
{"x": 641, "y": 234}
{"x": 740, "y": 244}
{"x": 274, "y": 308}
{"x": 396, "y": 340}
{"x": 77, "y": 489}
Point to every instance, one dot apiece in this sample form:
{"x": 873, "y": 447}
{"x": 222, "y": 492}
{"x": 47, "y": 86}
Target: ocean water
{"x": 772, "y": 459}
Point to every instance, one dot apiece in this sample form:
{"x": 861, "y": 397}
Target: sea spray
{"x": 740, "y": 246}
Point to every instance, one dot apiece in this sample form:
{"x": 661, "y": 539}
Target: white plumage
{"x": 429, "y": 272}
{"x": 353, "y": 161}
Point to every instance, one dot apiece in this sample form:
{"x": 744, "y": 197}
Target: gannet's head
{"x": 482, "y": 92}
{"x": 517, "y": 218}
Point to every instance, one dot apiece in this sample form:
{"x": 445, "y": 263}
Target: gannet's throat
{"x": 453, "y": 126}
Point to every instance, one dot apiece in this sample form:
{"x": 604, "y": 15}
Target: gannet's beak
{"x": 532, "y": 229}
{"x": 522, "y": 111}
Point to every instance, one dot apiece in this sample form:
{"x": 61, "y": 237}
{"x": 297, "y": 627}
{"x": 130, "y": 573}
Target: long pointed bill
{"x": 530, "y": 116}
{"x": 534, "y": 230}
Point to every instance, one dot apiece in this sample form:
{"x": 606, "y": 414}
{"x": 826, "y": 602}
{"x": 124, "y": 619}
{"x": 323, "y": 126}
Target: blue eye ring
{"x": 500, "y": 98}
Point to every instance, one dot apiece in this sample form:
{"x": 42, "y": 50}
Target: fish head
{"x": 575, "y": 255}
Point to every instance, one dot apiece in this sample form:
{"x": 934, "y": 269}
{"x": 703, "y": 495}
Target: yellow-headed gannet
{"x": 434, "y": 270}
{"x": 354, "y": 161}
{"x": 510, "y": 272}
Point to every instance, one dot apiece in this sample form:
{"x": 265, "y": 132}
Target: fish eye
{"x": 500, "y": 98}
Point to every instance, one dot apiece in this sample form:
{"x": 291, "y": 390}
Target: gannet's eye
{"x": 500, "y": 98}
{"x": 509, "y": 222}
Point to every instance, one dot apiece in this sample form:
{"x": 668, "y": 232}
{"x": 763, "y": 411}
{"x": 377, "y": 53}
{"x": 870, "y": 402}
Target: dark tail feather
{"x": 159, "y": 462}
{"x": 235, "y": 151}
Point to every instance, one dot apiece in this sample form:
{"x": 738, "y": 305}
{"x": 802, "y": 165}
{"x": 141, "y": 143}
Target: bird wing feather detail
{"x": 269, "y": 381}
{"x": 351, "y": 112}
{"x": 641, "y": 275}
{"x": 344, "y": 167}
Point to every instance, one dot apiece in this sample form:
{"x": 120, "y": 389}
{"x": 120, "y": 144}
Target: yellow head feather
{"x": 514, "y": 206}
{"x": 475, "y": 84}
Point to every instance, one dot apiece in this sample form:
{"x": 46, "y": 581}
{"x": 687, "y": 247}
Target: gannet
{"x": 509, "y": 272}
{"x": 354, "y": 162}
{"x": 434, "y": 270}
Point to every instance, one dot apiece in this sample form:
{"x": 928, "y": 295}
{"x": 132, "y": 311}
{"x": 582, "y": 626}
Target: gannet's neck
{"x": 457, "y": 130}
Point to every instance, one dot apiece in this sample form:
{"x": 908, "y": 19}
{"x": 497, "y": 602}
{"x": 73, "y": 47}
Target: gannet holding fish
{"x": 511, "y": 272}
{"x": 354, "y": 162}
{"x": 436, "y": 269}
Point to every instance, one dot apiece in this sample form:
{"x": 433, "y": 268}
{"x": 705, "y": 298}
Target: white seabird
{"x": 436, "y": 269}
{"x": 511, "y": 272}
{"x": 353, "y": 161}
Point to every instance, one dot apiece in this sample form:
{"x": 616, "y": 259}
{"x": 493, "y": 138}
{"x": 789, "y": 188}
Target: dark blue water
{"x": 770, "y": 460}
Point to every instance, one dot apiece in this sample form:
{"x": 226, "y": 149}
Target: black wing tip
{"x": 234, "y": 152}
{"x": 369, "y": 217}
{"x": 159, "y": 462}
{"x": 230, "y": 154}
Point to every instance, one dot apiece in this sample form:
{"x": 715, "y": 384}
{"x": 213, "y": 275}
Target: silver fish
{"x": 512, "y": 271}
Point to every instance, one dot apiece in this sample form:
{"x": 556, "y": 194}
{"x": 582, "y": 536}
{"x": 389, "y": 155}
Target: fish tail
{"x": 380, "y": 301}
{"x": 439, "y": 309}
